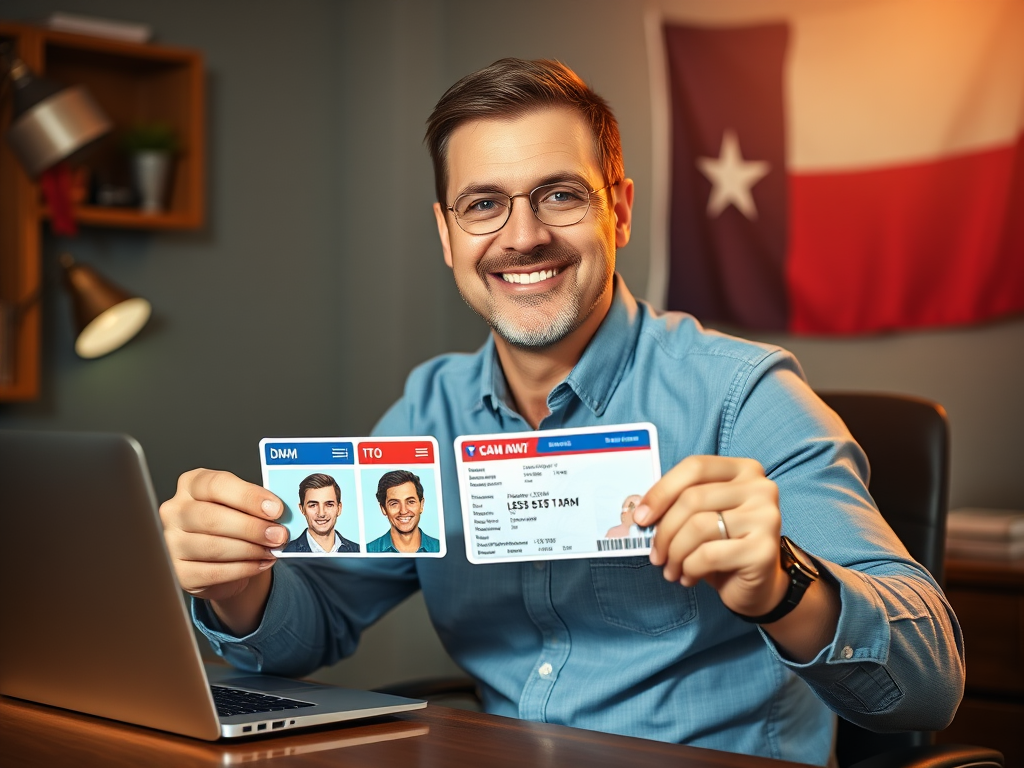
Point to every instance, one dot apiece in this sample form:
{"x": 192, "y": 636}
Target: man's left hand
{"x": 743, "y": 564}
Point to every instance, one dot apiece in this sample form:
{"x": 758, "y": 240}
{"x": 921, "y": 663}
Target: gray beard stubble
{"x": 566, "y": 320}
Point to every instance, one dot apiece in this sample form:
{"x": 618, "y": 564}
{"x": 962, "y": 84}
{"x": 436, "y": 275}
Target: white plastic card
{"x": 357, "y": 496}
{"x": 556, "y": 494}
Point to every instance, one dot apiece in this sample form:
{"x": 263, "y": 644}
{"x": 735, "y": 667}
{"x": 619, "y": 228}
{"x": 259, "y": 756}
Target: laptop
{"x": 94, "y": 618}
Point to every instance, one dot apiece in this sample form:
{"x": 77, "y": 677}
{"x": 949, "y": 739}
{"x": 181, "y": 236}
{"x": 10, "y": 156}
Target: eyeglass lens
{"x": 558, "y": 205}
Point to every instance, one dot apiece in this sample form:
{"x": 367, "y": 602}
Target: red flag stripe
{"x": 928, "y": 244}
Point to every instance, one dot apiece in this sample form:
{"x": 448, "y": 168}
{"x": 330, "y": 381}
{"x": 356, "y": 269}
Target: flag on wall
{"x": 842, "y": 168}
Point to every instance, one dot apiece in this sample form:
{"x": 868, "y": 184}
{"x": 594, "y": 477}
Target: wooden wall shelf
{"x": 134, "y": 84}
{"x": 128, "y": 218}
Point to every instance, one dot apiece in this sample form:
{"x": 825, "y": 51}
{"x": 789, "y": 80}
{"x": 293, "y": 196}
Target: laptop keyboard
{"x": 233, "y": 701}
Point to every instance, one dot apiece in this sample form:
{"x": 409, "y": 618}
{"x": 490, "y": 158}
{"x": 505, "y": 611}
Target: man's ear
{"x": 442, "y": 231}
{"x": 622, "y": 206}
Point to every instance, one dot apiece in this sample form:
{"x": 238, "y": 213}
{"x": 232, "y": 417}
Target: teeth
{"x": 532, "y": 277}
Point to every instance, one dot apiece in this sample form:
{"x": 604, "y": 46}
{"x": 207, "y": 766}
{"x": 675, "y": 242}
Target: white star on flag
{"x": 732, "y": 177}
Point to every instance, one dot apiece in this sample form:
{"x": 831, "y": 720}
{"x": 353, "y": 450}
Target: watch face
{"x": 799, "y": 558}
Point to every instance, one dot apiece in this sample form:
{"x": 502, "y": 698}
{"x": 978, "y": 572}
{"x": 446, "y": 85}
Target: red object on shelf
{"x": 57, "y": 183}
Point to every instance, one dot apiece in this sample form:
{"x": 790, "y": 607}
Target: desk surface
{"x": 33, "y": 735}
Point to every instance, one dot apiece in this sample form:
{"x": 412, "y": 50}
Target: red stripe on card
{"x": 395, "y": 452}
{"x": 933, "y": 244}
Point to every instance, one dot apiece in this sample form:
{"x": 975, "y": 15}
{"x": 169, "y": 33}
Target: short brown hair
{"x": 319, "y": 480}
{"x": 510, "y": 88}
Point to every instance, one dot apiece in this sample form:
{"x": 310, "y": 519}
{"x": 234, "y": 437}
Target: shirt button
{"x": 539, "y": 565}
{"x": 847, "y": 652}
{"x": 545, "y": 670}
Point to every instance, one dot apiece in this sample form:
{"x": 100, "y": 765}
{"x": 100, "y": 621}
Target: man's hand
{"x": 219, "y": 532}
{"x": 685, "y": 504}
{"x": 744, "y": 566}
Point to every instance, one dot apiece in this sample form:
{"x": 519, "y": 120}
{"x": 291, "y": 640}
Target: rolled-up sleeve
{"x": 896, "y": 660}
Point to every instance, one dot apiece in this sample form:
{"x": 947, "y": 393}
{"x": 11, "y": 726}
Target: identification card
{"x": 556, "y": 494}
{"x": 357, "y": 496}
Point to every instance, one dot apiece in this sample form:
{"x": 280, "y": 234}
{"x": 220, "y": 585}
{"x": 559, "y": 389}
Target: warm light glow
{"x": 113, "y": 328}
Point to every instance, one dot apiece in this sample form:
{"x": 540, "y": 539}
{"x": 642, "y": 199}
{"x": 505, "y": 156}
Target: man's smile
{"x": 529, "y": 277}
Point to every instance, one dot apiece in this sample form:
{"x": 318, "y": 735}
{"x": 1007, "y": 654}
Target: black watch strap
{"x": 802, "y": 574}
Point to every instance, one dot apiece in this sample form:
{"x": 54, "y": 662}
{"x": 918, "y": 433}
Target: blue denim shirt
{"x": 608, "y": 644}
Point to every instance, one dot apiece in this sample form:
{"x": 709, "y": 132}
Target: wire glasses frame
{"x": 559, "y": 204}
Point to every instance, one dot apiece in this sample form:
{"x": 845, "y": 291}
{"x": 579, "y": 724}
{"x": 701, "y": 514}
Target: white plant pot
{"x": 152, "y": 170}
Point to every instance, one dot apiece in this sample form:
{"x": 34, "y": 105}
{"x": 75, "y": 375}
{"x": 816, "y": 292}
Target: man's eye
{"x": 562, "y": 195}
{"x": 480, "y": 207}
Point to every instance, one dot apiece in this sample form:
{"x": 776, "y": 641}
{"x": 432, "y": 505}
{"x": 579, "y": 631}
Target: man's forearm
{"x": 242, "y": 613}
{"x": 908, "y": 675}
{"x": 803, "y": 632}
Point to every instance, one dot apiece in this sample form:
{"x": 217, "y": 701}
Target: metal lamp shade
{"x": 106, "y": 317}
{"x": 55, "y": 128}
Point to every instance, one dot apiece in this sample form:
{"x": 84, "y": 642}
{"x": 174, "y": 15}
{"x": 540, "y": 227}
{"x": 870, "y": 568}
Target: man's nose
{"x": 523, "y": 232}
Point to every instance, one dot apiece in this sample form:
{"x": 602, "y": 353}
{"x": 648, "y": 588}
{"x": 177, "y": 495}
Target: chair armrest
{"x": 936, "y": 756}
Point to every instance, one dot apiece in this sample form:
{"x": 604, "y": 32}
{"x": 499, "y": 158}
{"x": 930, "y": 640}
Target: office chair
{"x": 907, "y": 443}
{"x": 906, "y": 440}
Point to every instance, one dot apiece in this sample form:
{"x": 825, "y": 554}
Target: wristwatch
{"x": 802, "y": 573}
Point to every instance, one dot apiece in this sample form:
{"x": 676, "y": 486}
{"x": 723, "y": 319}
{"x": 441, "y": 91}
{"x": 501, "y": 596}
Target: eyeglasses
{"x": 561, "y": 204}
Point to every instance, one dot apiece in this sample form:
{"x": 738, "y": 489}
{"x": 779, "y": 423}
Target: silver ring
{"x": 721, "y": 526}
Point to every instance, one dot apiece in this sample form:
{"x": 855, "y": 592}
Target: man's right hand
{"x": 219, "y": 532}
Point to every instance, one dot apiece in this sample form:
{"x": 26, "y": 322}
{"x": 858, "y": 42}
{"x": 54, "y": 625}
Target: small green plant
{"x": 151, "y": 136}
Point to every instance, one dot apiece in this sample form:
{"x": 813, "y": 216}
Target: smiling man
{"x": 400, "y": 496}
{"x": 774, "y": 593}
{"x": 320, "y": 504}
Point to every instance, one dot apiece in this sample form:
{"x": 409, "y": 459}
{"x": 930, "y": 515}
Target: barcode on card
{"x": 629, "y": 542}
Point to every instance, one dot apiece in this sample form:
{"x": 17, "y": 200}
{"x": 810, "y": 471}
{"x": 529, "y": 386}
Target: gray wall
{"x": 301, "y": 306}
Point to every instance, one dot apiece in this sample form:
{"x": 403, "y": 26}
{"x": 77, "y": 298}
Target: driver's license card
{"x": 556, "y": 494}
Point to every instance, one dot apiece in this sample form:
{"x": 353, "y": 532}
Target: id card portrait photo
{"x": 357, "y": 497}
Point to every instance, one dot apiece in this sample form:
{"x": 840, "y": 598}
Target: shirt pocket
{"x": 632, "y": 594}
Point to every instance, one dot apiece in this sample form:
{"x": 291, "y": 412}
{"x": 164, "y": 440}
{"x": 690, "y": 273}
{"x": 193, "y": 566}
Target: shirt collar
{"x": 600, "y": 368}
{"x": 314, "y": 545}
{"x": 390, "y": 546}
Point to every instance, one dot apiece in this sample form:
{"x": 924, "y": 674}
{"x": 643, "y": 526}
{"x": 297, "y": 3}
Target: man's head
{"x": 400, "y": 495}
{"x": 510, "y": 88}
{"x": 629, "y": 504}
{"x": 320, "y": 502}
{"x": 519, "y": 140}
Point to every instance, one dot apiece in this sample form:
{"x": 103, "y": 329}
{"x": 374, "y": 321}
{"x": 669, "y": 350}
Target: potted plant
{"x": 151, "y": 147}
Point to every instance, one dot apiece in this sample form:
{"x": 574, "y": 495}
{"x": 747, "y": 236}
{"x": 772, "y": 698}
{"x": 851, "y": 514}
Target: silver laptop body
{"x": 94, "y": 618}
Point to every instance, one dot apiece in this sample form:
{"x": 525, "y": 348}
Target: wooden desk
{"x": 34, "y": 735}
{"x": 988, "y": 598}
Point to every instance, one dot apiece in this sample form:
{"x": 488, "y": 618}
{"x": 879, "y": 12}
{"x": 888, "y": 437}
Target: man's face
{"x": 321, "y": 508}
{"x": 534, "y": 284}
{"x": 403, "y": 507}
{"x": 628, "y": 506}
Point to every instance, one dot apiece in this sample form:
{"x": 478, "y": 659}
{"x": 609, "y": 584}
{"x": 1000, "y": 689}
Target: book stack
{"x": 986, "y": 534}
